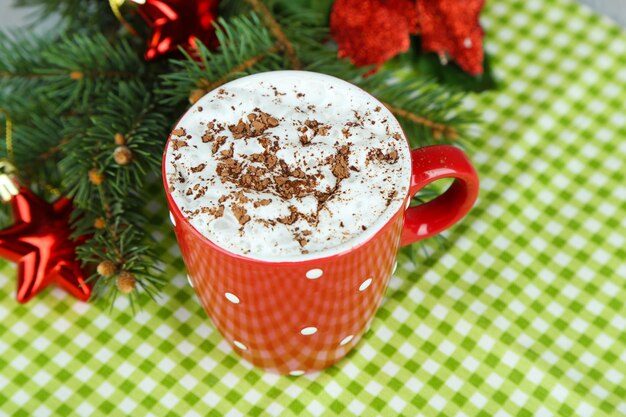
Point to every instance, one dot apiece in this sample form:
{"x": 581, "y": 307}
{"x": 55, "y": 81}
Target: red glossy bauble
{"x": 178, "y": 23}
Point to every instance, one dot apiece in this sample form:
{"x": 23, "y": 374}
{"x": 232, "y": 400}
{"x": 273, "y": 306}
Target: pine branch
{"x": 206, "y": 86}
{"x": 72, "y": 97}
{"x": 107, "y": 193}
{"x": 33, "y": 138}
{"x": 308, "y": 29}
{"x": 245, "y": 47}
{"x": 73, "y": 15}
{"x": 275, "y": 28}
{"x": 89, "y": 65}
{"x": 69, "y": 70}
{"x": 19, "y": 53}
{"x": 428, "y": 112}
{"x": 438, "y": 129}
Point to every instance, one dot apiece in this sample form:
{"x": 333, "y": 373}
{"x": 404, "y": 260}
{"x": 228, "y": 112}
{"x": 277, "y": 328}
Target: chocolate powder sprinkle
{"x": 177, "y": 144}
{"x": 219, "y": 141}
{"x": 340, "y": 164}
{"x": 198, "y": 168}
{"x": 265, "y": 172}
{"x": 201, "y": 192}
{"x": 241, "y": 197}
{"x": 207, "y": 137}
{"x": 263, "y": 202}
{"x": 216, "y": 212}
{"x": 227, "y": 153}
{"x": 229, "y": 169}
{"x": 311, "y": 129}
{"x": 258, "y": 122}
{"x": 379, "y": 155}
{"x": 240, "y": 213}
{"x": 293, "y": 217}
{"x": 391, "y": 196}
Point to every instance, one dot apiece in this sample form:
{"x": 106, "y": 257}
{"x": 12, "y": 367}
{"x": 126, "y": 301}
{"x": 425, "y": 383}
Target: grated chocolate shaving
{"x": 391, "y": 196}
{"x": 378, "y": 155}
{"x": 227, "y": 153}
{"x": 293, "y": 217}
{"x": 240, "y": 213}
{"x": 198, "y": 168}
{"x": 263, "y": 202}
{"x": 179, "y": 131}
{"x": 177, "y": 144}
{"x": 310, "y": 129}
{"x": 219, "y": 141}
{"x": 340, "y": 167}
{"x": 258, "y": 122}
{"x": 266, "y": 172}
{"x": 216, "y": 212}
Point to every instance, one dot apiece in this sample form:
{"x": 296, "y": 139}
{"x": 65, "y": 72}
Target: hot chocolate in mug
{"x": 306, "y": 311}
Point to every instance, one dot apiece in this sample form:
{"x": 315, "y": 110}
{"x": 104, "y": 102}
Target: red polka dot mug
{"x": 298, "y": 316}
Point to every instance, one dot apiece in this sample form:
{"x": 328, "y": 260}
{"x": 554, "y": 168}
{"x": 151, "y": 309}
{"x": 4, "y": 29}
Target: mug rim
{"x": 173, "y": 206}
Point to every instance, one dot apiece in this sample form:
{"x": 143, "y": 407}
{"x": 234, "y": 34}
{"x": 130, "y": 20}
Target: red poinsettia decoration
{"x": 370, "y": 32}
{"x": 178, "y": 23}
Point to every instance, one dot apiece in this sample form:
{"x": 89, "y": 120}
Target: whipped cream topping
{"x": 287, "y": 165}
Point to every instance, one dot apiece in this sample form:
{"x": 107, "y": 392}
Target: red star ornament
{"x": 178, "y": 23}
{"x": 39, "y": 241}
{"x": 452, "y": 27}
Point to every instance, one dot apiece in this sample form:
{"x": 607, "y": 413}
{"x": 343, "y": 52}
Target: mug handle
{"x": 429, "y": 164}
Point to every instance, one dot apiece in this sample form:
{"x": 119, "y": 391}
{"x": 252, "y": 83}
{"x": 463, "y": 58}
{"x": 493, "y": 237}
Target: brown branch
{"x": 74, "y": 75}
{"x": 438, "y": 129}
{"x": 54, "y": 150}
{"x": 77, "y": 75}
{"x": 205, "y": 85}
{"x": 108, "y": 213}
{"x": 5, "y": 74}
{"x": 277, "y": 31}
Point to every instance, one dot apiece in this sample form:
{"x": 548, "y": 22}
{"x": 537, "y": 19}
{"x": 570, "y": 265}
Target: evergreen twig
{"x": 243, "y": 67}
{"x": 276, "y": 30}
{"x": 438, "y": 128}
{"x": 245, "y": 46}
{"x": 71, "y": 93}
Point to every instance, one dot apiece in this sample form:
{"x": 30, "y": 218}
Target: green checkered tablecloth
{"x": 522, "y": 315}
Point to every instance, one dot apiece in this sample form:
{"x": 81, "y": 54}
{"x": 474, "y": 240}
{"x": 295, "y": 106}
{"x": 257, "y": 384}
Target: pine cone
{"x": 95, "y": 176}
{"x": 123, "y": 155}
{"x": 126, "y": 282}
{"x": 99, "y": 223}
{"x": 106, "y": 268}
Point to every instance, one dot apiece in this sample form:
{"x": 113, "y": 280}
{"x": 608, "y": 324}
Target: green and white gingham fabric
{"x": 524, "y": 314}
